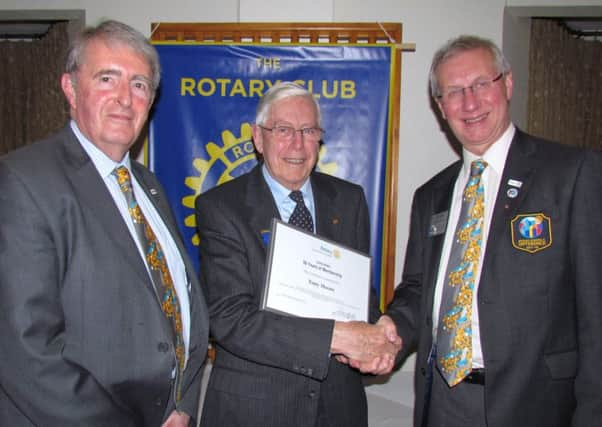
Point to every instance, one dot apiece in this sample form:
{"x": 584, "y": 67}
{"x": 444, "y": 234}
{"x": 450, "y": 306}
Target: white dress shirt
{"x": 495, "y": 157}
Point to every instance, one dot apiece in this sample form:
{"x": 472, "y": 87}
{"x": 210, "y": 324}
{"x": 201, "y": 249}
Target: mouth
{"x": 478, "y": 119}
{"x": 293, "y": 161}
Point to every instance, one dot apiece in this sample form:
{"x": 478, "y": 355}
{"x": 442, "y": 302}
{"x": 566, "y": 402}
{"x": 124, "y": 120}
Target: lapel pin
{"x": 153, "y": 191}
{"x": 512, "y": 193}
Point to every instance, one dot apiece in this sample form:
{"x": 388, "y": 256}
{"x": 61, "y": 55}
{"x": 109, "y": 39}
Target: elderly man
{"x": 102, "y": 322}
{"x": 272, "y": 369}
{"x": 501, "y": 291}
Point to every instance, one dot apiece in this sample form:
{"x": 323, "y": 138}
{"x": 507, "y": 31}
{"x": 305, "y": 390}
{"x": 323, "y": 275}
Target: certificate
{"x": 309, "y": 276}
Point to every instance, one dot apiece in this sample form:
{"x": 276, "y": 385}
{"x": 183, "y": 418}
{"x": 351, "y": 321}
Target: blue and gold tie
{"x": 454, "y": 334}
{"x": 301, "y": 217}
{"x": 161, "y": 277}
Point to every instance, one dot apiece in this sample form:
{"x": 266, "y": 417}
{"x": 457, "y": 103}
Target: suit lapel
{"x": 327, "y": 208}
{"x": 260, "y": 205}
{"x": 441, "y": 202}
{"x": 95, "y": 197}
{"x": 519, "y": 168}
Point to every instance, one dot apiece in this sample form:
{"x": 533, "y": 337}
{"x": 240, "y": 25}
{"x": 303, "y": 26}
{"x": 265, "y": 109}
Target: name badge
{"x": 438, "y": 224}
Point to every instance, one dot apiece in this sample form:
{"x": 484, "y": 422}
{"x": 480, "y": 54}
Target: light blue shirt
{"x": 284, "y": 203}
{"x": 105, "y": 167}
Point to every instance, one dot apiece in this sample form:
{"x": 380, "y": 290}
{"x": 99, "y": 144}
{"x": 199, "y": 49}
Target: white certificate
{"x": 309, "y": 276}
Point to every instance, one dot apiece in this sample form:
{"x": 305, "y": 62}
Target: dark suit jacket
{"x": 83, "y": 338}
{"x": 272, "y": 370}
{"x": 540, "y": 313}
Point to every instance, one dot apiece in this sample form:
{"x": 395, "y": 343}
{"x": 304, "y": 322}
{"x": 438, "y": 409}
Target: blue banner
{"x": 200, "y": 132}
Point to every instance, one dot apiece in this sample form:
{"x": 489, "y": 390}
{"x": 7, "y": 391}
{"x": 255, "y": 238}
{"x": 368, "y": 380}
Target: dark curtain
{"x": 565, "y": 86}
{"x": 32, "y": 102}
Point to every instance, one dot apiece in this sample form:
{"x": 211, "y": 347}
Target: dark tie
{"x": 454, "y": 333}
{"x": 161, "y": 277}
{"x": 301, "y": 216}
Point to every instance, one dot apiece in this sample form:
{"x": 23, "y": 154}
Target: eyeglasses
{"x": 287, "y": 133}
{"x": 455, "y": 94}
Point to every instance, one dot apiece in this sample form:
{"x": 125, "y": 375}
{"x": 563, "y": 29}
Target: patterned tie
{"x": 155, "y": 259}
{"x": 454, "y": 334}
{"x": 301, "y": 216}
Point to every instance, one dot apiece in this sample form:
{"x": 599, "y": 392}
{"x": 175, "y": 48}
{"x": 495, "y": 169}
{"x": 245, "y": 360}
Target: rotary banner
{"x": 200, "y": 132}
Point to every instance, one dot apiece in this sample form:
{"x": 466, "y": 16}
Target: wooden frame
{"x": 317, "y": 33}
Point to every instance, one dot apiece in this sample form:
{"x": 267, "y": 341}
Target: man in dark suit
{"x": 272, "y": 369}
{"x": 521, "y": 345}
{"x": 90, "y": 334}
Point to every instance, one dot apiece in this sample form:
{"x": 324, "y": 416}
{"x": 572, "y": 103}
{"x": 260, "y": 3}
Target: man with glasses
{"x": 501, "y": 290}
{"x": 271, "y": 369}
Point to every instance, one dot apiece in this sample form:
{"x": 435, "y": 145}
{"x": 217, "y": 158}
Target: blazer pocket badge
{"x": 531, "y": 232}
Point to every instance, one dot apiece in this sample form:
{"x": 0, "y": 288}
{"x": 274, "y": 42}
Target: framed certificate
{"x": 309, "y": 276}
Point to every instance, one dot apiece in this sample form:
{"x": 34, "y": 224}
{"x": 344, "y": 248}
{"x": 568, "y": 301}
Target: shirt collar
{"x": 280, "y": 192}
{"x": 496, "y": 154}
{"x": 103, "y": 163}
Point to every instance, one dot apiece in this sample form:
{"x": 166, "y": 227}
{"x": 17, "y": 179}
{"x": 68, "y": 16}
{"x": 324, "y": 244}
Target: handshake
{"x": 368, "y": 348}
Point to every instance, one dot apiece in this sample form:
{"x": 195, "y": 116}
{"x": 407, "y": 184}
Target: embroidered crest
{"x": 531, "y": 232}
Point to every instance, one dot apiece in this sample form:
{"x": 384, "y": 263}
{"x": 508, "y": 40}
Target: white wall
{"x": 428, "y": 23}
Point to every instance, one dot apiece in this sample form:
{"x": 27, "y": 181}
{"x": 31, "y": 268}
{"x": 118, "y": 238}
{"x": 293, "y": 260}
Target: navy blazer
{"x": 540, "y": 312}
{"x": 270, "y": 369}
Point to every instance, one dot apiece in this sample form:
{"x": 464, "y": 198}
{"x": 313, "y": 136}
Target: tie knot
{"x": 123, "y": 178}
{"x": 297, "y": 196}
{"x": 477, "y": 167}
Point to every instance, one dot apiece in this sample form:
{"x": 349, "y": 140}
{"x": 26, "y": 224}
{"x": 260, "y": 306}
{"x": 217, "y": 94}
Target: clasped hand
{"x": 368, "y": 348}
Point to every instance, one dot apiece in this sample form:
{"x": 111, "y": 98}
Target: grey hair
{"x": 282, "y": 90}
{"x": 462, "y": 44}
{"x": 113, "y": 32}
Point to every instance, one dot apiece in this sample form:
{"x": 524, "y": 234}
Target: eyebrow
{"x": 118, "y": 73}
{"x": 109, "y": 71}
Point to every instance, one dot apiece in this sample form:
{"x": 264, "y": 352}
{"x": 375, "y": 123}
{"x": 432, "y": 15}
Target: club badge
{"x": 531, "y": 232}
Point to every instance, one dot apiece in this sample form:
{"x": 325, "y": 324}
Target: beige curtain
{"x": 565, "y": 86}
{"x": 32, "y": 102}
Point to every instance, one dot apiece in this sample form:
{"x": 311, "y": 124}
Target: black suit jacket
{"x": 83, "y": 338}
{"x": 272, "y": 370}
{"x": 540, "y": 313}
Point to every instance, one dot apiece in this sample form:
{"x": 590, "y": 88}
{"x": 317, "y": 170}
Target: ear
{"x": 441, "y": 110}
{"x": 258, "y": 138}
{"x": 68, "y": 89}
{"x": 509, "y": 83}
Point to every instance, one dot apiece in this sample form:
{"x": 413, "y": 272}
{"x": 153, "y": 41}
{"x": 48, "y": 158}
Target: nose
{"x": 297, "y": 139}
{"x": 124, "y": 94}
{"x": 470, "y": 101}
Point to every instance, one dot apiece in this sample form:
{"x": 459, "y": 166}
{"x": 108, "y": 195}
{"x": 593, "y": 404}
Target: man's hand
{"x": 177, "y": 419}
{"x": 369, "y": 348}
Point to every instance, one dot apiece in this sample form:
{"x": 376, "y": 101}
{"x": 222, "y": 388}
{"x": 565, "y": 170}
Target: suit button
{"x": 423, "y": 371}
{"x": 159, "y": 402}
{"x": 311, "y": 394}
{"x": 163, "y": 347}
